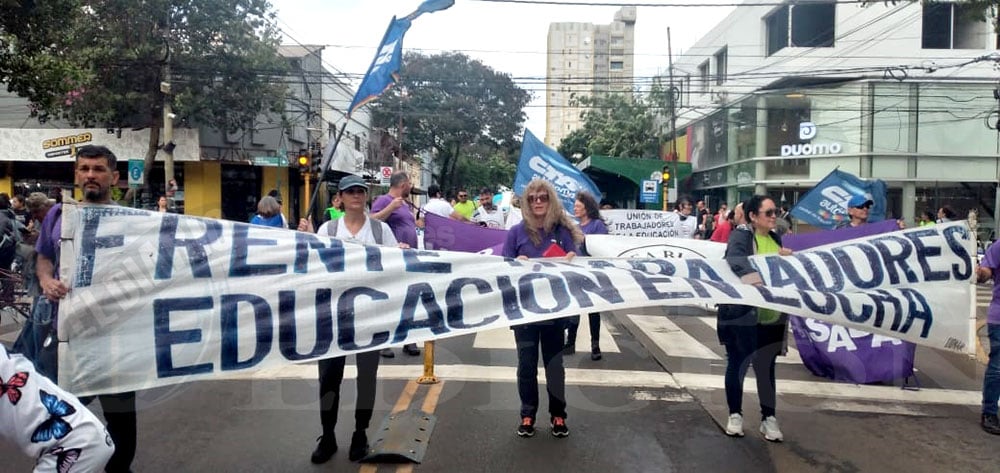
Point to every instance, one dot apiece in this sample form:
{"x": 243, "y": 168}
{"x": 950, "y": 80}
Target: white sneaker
{"x": 734, "y": 428}
{"x": 769, "y": 427}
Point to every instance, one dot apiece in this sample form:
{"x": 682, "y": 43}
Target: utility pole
{"x": 168, "y": 119}
{"x": 673, "y": 115}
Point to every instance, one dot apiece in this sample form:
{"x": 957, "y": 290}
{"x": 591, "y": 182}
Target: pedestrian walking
{"x": 750, "y": 334}
{"x": 545, "y": 230}
{"x": 355, "y": 226}
{"x": 586, "y": 211}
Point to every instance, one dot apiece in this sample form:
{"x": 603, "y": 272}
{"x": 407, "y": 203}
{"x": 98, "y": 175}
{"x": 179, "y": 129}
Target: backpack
{"x": 331, "y": 229}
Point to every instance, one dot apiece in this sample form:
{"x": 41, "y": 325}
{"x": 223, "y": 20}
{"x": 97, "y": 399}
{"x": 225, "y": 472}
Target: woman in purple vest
{"x": 545, "y": 231}
{"x": 586, "y": 211}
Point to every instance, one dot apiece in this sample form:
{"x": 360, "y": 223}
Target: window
{"x": 617, "y": 66}
{"x": 953, "y": 26}
{"x": 703, "y": 76}
{"x": 720, "y": 66}
{"x": 808, "y": 25}
{"x": 357, "y": 143}
{"x": 617, "y": 42}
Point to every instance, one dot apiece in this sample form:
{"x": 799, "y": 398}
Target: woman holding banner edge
{"x": 586, "y": 211}
{"x": 750, "y": 334}
{"x": 546, "y": 231}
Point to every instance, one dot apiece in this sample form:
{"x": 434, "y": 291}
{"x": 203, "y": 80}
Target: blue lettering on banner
{"x": 89, "y": 245}
{"x": 422, "y": 294}
{"x": 881, "y": 297}
{"x": 456, "y": 308}
{"x": 600, "y": 285}
{"x": 373, "y": 258}
{"x": 345, "y": 319}
{"x": 195, "y": 248}
{"x": 288, "y": 334}
{"x": 862, "y": 317}
{"x": 836, "y": 283}
{"x": 769, "y": 296}
{"x": 648, "y": 286}
{"x": 701, "y": 274}
{"x": 783, "y": 273}
{"x": 894, "y": 259}
{"x": 924, "y": 251}
{"x": 508, "y": 295}
{"x": 663, "y": 267}
{"x": 332, "y": 256}
{"x": 827, "y": 308}
{"x": 530, "y": 302}
{"x": 414, "y": 265}
{"x": 953, "y": 235}
{"x": 850, "y": 266}
{"x": 230, "y": 321}
{"x": 164, "y": 338}
{"x": 238, "y": 266}
{"x": 918, "y": 309}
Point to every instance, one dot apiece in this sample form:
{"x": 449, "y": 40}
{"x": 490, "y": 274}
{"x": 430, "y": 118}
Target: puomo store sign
{"x": 807, "y": 131}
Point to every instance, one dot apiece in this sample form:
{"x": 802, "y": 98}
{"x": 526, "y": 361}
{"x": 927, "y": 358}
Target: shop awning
{"x": 635, "y": 170}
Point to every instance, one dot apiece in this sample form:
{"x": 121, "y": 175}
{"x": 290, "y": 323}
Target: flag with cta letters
{"x": 825, "y": 205}
{"x": 384, "y": 70}
{"x": 541, "y": 162}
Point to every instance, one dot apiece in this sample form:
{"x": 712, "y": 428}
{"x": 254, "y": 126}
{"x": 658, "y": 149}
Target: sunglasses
{"x": 866, "y": 207}
{"x": 462, "y": 196}
{"x": 769, "y": 213}
{"x": 540, "y": 198}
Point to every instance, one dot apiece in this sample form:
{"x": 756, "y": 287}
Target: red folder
{"x": 553, "y": 251}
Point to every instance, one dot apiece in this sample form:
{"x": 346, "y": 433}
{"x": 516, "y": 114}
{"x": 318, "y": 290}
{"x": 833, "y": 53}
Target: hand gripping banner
{"x": 159, "y": 299}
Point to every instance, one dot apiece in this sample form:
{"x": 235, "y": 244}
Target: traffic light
{"x": 666, "y": 174}
{"x": 303, "y": 161}
{"x": 316, "y": 162}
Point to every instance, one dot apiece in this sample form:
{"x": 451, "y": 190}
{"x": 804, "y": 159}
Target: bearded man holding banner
{"x": 357, "y": 227}
{"x": 95, "y": 174}
{"x": 546, "y": 231}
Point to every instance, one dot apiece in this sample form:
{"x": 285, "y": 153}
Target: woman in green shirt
{"x": 750, "y": 334}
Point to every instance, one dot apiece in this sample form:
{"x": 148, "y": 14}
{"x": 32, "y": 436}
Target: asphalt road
{"x": 654, "y": 403}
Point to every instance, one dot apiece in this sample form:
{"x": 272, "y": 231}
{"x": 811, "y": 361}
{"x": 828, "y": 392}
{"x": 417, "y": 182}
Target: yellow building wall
{"x": 275, "y": 177}
{"x": 203, "y": 189}
{"x": 7, "y": 184}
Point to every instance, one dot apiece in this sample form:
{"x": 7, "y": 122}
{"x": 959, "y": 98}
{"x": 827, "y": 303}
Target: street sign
{"x": 135, "y": 170}
{"x": 650, "y": 192}
{"x": 281, "y": 161}
{"x": 656, "y": 176}
{"x": 385, "y": 174}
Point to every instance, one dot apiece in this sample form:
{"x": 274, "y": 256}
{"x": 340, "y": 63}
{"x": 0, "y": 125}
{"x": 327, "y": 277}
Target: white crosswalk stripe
{"x": 503, "y": 338}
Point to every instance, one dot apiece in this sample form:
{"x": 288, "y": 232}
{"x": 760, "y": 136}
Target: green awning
{"x": 633, "y": 169}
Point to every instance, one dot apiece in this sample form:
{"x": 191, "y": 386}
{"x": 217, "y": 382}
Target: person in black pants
{"x": 586, "y": 211}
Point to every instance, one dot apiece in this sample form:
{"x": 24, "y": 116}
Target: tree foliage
{"x": 617, "y": 125}
{"x": 100, "y": 63}
{"x": 454, "y": 106}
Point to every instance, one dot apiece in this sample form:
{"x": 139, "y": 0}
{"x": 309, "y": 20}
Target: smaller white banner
{"x": 650, "y": 223}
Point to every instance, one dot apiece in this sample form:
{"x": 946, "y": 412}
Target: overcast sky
{"x": 505, "y": 36}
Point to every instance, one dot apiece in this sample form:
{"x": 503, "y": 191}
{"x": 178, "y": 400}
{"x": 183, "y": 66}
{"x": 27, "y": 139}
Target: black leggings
{"x": 573, "y": 323}
{"x": 331, "y": 373}
{"x": 759, "y": 345}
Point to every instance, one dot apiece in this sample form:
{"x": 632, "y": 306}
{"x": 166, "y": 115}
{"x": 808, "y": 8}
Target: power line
{"x": 668, "y": 4}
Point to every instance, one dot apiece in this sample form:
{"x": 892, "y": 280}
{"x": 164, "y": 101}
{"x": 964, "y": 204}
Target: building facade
{"x": 775, "y": 97}
{"x": 584, "y": 59}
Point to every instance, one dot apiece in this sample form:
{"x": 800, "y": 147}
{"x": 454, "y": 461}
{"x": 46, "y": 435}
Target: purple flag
{"x": 843, "y": 354}
{"x": 442, "y": 233}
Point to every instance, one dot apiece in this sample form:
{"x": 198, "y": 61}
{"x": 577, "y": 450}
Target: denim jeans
{"x": 991, "y": 378}
{"x": 549, "y": 337}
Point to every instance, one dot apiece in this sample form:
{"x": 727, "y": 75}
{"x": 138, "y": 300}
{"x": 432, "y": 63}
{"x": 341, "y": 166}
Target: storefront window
{"x": 951, "y": 120}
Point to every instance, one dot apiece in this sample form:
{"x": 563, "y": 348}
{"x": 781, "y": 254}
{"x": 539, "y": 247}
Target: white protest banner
{"x": 618, "y": 246}
{"x": 159, "y": 299}
{"x": 649, "y": 223}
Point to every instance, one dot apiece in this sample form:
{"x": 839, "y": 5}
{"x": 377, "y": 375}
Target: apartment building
{"x": 776, "y": 96}
{"x": 584, "y": 59}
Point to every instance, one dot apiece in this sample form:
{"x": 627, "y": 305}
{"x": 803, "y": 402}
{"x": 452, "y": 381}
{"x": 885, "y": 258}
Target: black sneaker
{"x": 387, "y": 353}
{"x": 411, "y": 349}
{"x": 595, "y": 353}
{"x": 527, "y": 427}
{"x": 991, "y": 424}
{"x": 359, "y": 446}
{"x": 559, "y": 428}
{"x": 325, "y": 449}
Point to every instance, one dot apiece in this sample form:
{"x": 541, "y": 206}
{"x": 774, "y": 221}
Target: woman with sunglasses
{"x": 750, "y": 334}
{"x": 546, "y": 230}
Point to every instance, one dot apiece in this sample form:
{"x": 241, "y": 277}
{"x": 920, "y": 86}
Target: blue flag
{"x": 541, "y": 162}
{"x": 431, "y": 6}
{"x": 384, "y": 70}
{"x": 825, "y": 205}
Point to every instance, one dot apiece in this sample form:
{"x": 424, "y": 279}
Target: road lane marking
{"x": 503, "y": 338}
{"x": 671, "y": 339}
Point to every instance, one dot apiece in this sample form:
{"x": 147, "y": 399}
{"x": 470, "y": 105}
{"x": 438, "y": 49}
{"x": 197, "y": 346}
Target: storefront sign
{"x": 60, "y": 145}
{"x": 808, "y": 131}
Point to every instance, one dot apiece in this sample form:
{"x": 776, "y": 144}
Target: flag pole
{"x": 324, "y": 165}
